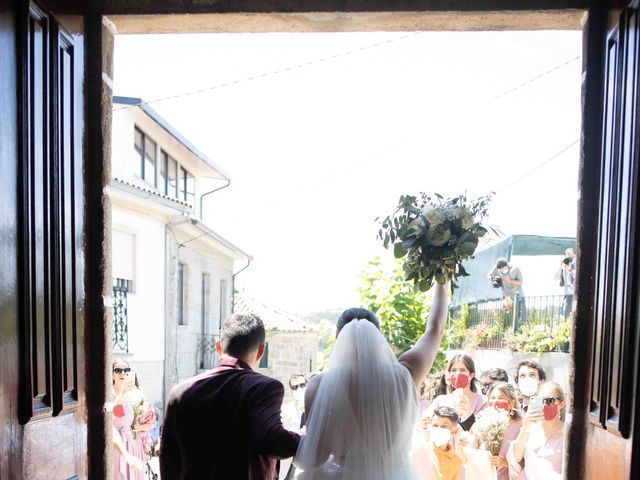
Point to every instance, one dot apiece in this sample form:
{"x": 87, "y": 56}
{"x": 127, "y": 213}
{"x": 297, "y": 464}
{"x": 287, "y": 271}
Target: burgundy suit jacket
{"x": 225, "y": 424}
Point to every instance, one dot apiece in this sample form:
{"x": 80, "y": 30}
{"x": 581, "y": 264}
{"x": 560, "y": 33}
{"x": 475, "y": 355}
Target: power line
{"x": 274, "y": 72}
{"x": 533, "y": 79}
{"x": 537, "y": 167}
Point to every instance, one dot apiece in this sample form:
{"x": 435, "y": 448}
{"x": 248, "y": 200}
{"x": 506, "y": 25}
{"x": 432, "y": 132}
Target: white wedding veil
{"x": 364, "y": 412}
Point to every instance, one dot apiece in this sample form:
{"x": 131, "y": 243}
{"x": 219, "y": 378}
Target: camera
{"x": 567, "y": 260}
{"x": 496, "y": 281}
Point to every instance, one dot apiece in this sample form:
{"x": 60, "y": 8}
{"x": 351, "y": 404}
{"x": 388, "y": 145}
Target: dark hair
{"x": 241, "y": 333}
{"x": 501, "y": 263}
{"x": 356, "y": 314}
{"x": 468, "y": 362}
{"x": 446, "y": 412}
{"x": 542, "y": 375}
{"x": 297, "y": 375}
{"x": 497, "y": 374}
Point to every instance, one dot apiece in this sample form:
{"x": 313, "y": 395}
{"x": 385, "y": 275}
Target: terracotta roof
{"x": 273, "y": 317}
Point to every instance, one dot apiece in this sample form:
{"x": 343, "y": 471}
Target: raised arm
{"x": 419, "y": 359}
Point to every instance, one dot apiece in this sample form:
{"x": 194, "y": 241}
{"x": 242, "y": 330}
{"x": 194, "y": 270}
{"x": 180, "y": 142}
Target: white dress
{"x": 363, "y": 416}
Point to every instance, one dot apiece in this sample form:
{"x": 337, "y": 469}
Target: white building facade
{"x": 173, "y": 275}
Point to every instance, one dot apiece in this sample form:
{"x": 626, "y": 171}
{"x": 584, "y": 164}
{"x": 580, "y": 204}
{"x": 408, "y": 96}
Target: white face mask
{"x": 528, "y": 386}
{"x": 439, "y": 436}
{"x": 298, "y": 396}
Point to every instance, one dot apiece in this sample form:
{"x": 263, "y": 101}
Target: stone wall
{"x": 289, "y": 353}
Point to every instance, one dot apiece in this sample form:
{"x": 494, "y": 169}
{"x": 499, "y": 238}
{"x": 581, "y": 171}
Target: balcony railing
{"x": 120, "y": 320}
{"x": 206, "y": 356}
{"x": 493, "y": 322}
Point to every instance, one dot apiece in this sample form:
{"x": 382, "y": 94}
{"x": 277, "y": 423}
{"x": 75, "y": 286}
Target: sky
{"x": 322, "y": 132}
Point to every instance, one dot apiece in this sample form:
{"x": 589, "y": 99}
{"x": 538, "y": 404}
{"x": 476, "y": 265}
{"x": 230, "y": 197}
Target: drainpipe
{"x": 233, "y": 284}
{"x": 212, "y": 191}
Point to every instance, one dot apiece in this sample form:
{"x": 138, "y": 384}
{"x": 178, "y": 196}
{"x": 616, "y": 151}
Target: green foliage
{"x": 435, "y": 234}
{"x": 540, "y": 336}
{"x": 457, "y": 329}
{"x": 326, "y": 340}
{"x": 402, "y": 311}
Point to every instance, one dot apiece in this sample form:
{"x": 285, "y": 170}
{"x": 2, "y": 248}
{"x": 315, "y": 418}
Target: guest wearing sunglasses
{"x": 128, "y": 451}
{"x": 538, "y": 449}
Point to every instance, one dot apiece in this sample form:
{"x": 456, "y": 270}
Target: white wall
{"x": 198, "y": 258}
{"x": 146, "y": 303}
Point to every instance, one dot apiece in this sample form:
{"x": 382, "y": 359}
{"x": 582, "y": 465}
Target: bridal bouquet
{"x": 435, "y": 234}
{"x": 491, "y": 423}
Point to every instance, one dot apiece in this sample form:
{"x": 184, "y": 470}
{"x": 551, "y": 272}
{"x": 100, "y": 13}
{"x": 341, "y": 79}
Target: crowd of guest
{"x": 486, "y": 427}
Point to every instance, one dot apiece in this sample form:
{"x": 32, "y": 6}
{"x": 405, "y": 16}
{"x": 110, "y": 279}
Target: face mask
{"x": 504, "y": 271}
{"x": 528, "y": 386}
{"x": 502, "y": 405}
{"x": 459, "y": 380}
{"x": 298, "y": 396}
{"x": 439, "y": 436}
{"x": 550, "y": 411}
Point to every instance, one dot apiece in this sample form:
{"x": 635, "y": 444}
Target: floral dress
{"x": 123, "y": 423}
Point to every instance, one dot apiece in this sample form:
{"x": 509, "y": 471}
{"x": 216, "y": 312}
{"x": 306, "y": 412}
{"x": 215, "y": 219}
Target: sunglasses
{"x": 121, "y": 370}
{"x": 300, "y": 385}
{"x": 550, "y": 400}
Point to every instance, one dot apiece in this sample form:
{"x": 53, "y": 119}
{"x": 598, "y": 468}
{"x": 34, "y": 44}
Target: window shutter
{"x": 122, "y": 246}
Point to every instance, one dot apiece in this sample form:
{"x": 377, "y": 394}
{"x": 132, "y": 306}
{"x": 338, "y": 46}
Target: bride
{"x": 363, "y": 410}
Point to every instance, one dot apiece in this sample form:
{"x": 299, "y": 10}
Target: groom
{"x": 225, "y": 423}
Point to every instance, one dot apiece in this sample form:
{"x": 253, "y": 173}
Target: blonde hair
{"x": 558, "y": 391}
{"x": 508, "y": 391}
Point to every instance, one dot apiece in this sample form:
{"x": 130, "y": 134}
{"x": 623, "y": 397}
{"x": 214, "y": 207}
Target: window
{"x": 123, "y": 259}
{"x": 182, "y": 320}
{"x": 187, "y": 186}
{"x": 172, "y": 177}
{"x": 162, "y": 173}
{"x": 204, "y": 308}
{"x": 146, "y": 149}
{"x": 168, "y": 175}
{"x": 223, "y": 303}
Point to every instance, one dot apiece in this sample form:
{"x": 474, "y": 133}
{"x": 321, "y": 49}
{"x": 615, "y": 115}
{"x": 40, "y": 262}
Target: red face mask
{"x": 459, "y": 380}
{"x": 502, "y": 405}
{"x": 550, "y": 411}
{"x": 118, "y": 410}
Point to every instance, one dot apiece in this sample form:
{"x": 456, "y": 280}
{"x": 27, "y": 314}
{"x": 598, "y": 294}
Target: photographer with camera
{"x": 566, "y": 276}
{"x": 510, "y": 279}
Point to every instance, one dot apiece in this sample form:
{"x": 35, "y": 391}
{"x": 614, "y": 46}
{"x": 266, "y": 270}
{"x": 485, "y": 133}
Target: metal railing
{"x": 206, "y": 356}
{"x": 120, "y": 320}
{"x": 496, "y": 319}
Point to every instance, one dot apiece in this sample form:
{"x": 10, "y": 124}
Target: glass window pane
{"x": 183, "y": 185}
{"x": 173, "y": 178}
{"x": 150, "y": 161}
{"x": 190, "y": 183}
{"x": 162, "y": 176}
{"x": 138, "y": 141}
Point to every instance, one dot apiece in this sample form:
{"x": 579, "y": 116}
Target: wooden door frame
{"x": 97, "y": 178}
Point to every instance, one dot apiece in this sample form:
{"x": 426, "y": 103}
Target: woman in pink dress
{"x": 463, "y": 393}
{"x": 538, "y": 449}
{"x": 128, "y": 452}
{"x": 502, "y": 396}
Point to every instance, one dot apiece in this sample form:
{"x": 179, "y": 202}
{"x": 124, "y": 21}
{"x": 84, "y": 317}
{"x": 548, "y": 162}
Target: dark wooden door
{"x": 611, "y": 434}
{"x": 42, "y": 397}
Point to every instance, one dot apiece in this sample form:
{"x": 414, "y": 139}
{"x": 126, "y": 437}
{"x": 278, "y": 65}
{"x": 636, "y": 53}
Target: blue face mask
{"x": 504, "y": 271}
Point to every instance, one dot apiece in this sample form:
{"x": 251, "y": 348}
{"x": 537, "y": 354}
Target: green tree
{"x": 402, "y": 311}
